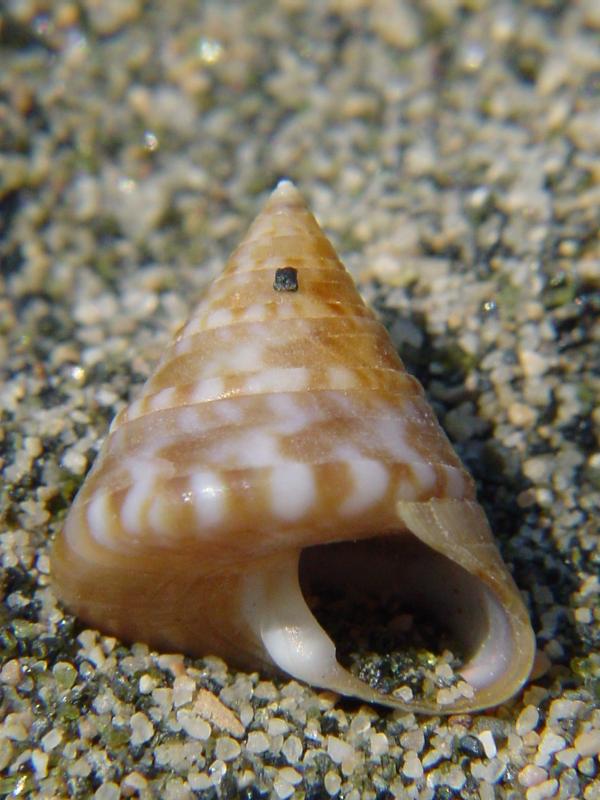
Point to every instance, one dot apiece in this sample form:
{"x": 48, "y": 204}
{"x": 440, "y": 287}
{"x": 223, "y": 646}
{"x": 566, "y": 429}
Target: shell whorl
{"x": 276, "y": 421}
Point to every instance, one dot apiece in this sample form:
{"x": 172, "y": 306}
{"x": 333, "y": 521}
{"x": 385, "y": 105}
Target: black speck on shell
{"x": 286, "y": 280}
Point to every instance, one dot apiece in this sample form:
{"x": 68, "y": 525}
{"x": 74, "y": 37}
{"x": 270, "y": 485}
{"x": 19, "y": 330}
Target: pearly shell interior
{"x": 280, "y": 446}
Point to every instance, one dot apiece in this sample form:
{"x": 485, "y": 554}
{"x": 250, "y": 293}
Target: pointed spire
{"x": 286, "y": 192}
{"x": 285, "y": 230}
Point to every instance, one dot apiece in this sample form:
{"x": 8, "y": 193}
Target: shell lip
{"x": 503, "y": 647}
{"x": 495, "y": 633}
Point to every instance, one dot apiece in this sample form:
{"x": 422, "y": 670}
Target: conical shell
{"x": 280, "y": 431}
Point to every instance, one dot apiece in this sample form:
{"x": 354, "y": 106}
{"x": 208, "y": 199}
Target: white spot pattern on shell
{"x": 370, "y": 480}
{"x": 136, "y": 499}
{"x": 293, "y": 491}
{"x": 208, "y": 389}
{"x": 98, "y": 514}
{"x": 250, "y": 449}
{"x": 209, "y": 496}
{"x": 277, "y": 379}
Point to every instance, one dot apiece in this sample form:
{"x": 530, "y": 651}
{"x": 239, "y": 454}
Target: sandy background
{"x": 452, "y": 153}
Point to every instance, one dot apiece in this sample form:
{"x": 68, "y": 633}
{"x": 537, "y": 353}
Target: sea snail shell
{"x": 280, "y": 432}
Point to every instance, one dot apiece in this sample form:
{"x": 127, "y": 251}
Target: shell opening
{"x": 399, "y": 575}
{"x": 316, "y": 605}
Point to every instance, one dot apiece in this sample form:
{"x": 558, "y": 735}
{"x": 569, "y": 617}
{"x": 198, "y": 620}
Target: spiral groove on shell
{"x": 281, "y": 421}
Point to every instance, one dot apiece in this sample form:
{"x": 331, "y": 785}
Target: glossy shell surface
{"x": 281, "y": 425}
